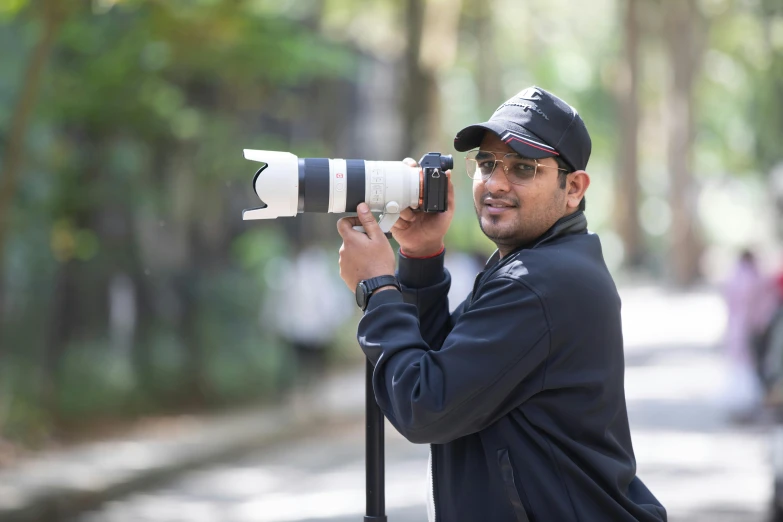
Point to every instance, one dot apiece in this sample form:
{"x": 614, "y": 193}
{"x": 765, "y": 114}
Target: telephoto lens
{"x": 288, "y": 185}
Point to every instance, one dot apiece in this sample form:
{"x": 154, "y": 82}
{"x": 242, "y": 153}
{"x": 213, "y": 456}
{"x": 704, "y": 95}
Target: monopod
{"x": 374, "y": 451}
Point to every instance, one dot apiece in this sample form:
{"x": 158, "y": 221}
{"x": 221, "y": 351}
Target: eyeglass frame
{"x": 505, "y": 167}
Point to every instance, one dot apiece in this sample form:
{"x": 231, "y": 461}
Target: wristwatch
{"x": 365, "y": 289}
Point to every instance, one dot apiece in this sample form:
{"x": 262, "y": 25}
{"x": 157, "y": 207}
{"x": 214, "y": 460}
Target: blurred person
{"x": 745, "y": 292}
{"x": 307, "y": 309}
{"x": 773, "y": 358}
{"x": 765, "y": 309}
{"x": 519, "y": 391}
{"x": 779, "y": 283}
{"x": 773, "y": 373}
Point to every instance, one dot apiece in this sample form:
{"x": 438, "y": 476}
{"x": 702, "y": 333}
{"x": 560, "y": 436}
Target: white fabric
{"x": 742, "y": 390}
{"x": 430, "y": 486}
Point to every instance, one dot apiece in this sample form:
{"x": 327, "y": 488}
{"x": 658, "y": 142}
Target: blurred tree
{"x": 431, "y": 28}
{"x": 49, "y": 15}
{"x": 139, "y": 136}
{"x": 683, "y": 37}
{"x": 767, "y": 109}
{"x": 420, "y": 83}
{"x": 478, "y": 19}
{"x": 627, "y": 194}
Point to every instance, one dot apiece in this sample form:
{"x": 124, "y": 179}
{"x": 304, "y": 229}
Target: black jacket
{"x": 520, "y": 390}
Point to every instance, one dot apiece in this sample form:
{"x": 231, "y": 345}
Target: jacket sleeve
{"x": 425, "y": 283}
{"x": 483, "y": 370}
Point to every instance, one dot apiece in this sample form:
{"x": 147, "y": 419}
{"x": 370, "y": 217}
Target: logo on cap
{"x": 532, "y": 94}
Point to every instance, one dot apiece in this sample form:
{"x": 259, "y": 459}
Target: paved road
{"x": 319, "y": 477}
{"x": 700, "y": 467}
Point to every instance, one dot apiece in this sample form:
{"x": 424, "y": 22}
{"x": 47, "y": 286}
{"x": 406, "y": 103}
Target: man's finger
{"x": 450, "y": 196}
{"x": 408, "y": 214}
{"x": 367, "y": 220}
{"x": 345, "y": 226}
{"x": 401, "y": 224}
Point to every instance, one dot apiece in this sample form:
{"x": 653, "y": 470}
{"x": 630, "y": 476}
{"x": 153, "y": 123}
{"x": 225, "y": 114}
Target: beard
{"x": 506, "y": 230}
{"x": 499, "y": 228}
{"x": 511, "y": 228}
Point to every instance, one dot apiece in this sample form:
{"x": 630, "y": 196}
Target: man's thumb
{"x": 371, "y": 226}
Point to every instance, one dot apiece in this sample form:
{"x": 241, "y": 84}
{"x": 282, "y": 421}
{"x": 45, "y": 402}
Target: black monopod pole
{"x": 374, "y": 454}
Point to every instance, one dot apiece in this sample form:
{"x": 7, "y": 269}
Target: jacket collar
{"x": 575, "y": 223}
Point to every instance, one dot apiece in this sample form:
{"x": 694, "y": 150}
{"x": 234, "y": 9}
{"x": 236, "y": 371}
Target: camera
{"x": 288, "y": 185}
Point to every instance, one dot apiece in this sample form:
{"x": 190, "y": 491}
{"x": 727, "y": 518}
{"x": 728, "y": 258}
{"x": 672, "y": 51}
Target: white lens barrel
{"x": 391, "y": 182}
{"x": 276, "y": 183}
{"x": 338, "y": 186}
{"x": 288, "y": 185}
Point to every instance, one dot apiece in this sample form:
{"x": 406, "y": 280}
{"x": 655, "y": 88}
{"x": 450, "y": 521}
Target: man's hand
{"x": 420, "y": 234}
{"x": 363, "y": 256}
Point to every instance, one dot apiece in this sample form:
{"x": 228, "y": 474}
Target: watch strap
{"x": 365, "y": 289}
{"x": 374, "y": 283}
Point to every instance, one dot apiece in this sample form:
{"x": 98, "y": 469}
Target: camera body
{"x": 435, "y": 189}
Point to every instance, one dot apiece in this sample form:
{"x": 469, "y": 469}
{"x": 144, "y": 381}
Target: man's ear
{"x": 576, "y": 186}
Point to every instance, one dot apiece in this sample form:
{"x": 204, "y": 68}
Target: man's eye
{"x": 485, "y": 163}
{"x": 524, "y": 168}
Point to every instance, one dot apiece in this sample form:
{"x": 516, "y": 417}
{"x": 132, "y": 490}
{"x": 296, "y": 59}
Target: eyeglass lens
{"x": 481, "y": 164}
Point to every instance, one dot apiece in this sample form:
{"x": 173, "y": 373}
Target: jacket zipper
{"x": 432, "y": 484}
{"x": 507, "y": 473}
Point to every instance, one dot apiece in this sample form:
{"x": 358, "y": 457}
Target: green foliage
{"x": 256, "y": 248}
{"x": 94, "y": 381}
{"x": 741, "y": 112}
{"x": 10, "y": 8}
{"x": 135, "y": 167}
{"x": 27, "y": 420}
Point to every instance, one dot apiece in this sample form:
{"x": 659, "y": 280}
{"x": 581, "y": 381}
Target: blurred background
{"x": 132, "y": 294}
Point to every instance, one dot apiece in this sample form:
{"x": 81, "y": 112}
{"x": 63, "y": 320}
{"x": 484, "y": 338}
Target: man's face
{"x": 521, "y": 213}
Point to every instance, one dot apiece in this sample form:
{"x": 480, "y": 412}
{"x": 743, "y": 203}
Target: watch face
{"x": 361, "y": 295}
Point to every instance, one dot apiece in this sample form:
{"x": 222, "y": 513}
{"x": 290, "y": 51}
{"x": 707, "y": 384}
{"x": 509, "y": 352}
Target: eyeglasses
{"x": 481, "y": 164}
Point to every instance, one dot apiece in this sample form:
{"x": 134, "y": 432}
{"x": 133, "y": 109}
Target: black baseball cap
{"x": 536, "y": 124}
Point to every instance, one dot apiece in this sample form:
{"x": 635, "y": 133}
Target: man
{"x": 520, "y": 390}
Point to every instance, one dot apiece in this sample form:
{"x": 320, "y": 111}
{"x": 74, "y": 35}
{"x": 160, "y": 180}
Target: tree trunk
{"x": 488, "y": 70}
{"x": 63, "y": 319}
{"x": 432, "y": 29}
{"x": 627, "y": 193}
{"x": 13, "y": 154}
{"x": 681, "y": 30}
{"x": 77, "y": 311}
{"x": 195, "y": 389}
{"x": 417, "y": 81}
